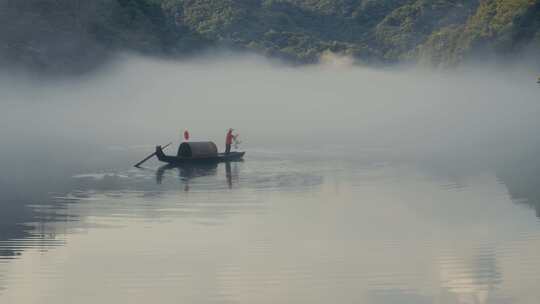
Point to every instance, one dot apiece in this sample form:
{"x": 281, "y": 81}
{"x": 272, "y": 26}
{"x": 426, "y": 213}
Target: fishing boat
{"x": 198, "y": 153}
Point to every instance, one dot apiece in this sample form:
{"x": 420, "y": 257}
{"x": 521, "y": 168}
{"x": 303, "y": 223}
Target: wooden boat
{"x": 198, "y": 153}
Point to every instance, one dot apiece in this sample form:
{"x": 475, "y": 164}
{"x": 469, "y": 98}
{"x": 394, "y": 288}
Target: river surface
{"x": 283, "y": 226}
{"x": 358, "y": 186}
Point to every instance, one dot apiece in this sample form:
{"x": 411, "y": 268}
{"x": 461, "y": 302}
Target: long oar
{"x": 150, "y": 156}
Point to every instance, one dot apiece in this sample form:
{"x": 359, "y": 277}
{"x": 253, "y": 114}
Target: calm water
{"x": 289, "y": 226}
{"x": 359, "y": 186}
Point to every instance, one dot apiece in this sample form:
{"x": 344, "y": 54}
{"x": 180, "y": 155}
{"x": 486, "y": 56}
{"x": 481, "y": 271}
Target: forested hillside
{"x": 81, "y": 33}
{"x": 77, "y": 35}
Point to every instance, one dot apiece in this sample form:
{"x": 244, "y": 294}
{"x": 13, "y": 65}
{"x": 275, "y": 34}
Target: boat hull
{"x": 220, "y": 157}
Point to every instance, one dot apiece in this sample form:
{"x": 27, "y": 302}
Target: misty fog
{"x": 473, "y": 113}
{"x": 389, "y": 185}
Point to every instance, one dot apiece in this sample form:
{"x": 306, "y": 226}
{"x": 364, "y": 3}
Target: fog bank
{"x": 140, "y": 101}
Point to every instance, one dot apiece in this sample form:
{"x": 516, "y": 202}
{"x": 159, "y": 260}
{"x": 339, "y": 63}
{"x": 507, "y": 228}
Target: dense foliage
{"x": 76, "y": 35}
{"x": 438, "y": 32}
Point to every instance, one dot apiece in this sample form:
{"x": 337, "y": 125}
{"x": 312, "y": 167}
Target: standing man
{"x": 228, "y": 141}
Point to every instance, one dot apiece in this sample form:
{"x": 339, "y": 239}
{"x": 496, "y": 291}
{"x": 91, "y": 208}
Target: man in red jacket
{"x": 228, "y": 141}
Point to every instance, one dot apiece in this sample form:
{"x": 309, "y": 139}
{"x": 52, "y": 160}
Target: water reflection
{"x": 187, "y": 173}
{"x": 32, "y": 212}
{"x": 35, "y": 204}
{"x": 393, "y": 296}
{"x": 317, "y": 228}
{"x": 522, "y": 179}
{"x": 471, "y": 279}
{"x": 22, "y": 223}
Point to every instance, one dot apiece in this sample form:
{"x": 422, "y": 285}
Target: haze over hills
{"x": 77, "y": 35}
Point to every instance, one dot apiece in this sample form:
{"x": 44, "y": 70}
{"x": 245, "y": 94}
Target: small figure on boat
{"x": 229, "y": 140}
{"x": 201, "y": 152}
{"x": 186, "y": 135}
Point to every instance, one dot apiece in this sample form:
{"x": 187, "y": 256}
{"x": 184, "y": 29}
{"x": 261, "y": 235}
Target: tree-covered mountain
{"x": 52, "y": 33}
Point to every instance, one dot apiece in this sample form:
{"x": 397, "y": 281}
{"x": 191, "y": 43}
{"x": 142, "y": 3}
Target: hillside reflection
{"x": 522, "y": 179}
{"x": 31, "y": 217}
{"x": 326, "y": 205}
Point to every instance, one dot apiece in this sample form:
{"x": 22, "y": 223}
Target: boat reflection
{"x": 187, "y": 173}
{"x": 232, "y": 174}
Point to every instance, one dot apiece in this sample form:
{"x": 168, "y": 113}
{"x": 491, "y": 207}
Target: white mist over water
{"x": 277, "y": 228}
{"x": 140, "y": 100}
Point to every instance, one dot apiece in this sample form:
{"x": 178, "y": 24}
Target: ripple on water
{"x": 13, "y": 248}
{"x": 225, "y": 225}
